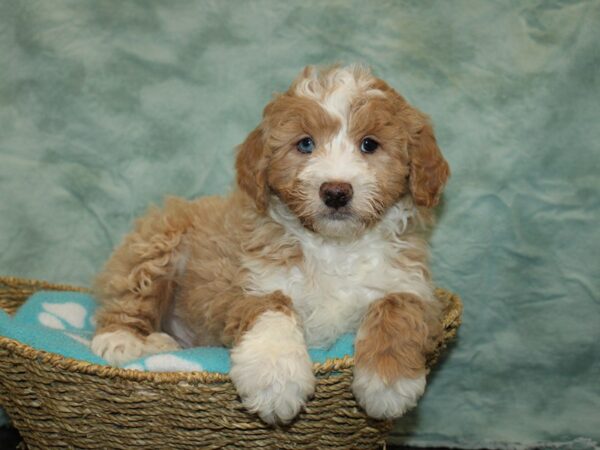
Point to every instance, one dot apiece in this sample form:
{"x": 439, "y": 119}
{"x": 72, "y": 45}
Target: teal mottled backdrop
{"x": 107, "y": 106}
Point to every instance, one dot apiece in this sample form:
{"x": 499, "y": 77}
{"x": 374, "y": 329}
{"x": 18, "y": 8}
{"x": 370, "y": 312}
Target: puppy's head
{"x": 339, "y": 148}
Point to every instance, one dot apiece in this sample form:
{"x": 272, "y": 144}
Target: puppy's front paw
{"x": 271, "y": 368}
{"x": 381, "y": 400}
{"x": 118, "y": 347}
{"x": 121, "y": 346}
{"x": 160, "y": 342}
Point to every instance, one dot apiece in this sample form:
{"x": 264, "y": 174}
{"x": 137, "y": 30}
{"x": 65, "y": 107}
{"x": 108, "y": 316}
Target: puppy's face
{"x": 339, "y": 148}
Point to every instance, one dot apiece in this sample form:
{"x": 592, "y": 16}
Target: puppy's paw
{"x": 381, "y": 400}
{"x": 160, "y": 342}
{"x": 121, "y": 346}
{"x": 271, "y": 368}
{"x": 118, "y": 347}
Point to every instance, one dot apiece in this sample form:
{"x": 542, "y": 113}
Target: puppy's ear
{"x": 429, "y": 170}
{"x": 251, "y": 166}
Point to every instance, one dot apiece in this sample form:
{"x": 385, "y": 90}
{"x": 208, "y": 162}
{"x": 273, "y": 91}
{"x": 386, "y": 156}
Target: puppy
{"x": 322, "y": 236}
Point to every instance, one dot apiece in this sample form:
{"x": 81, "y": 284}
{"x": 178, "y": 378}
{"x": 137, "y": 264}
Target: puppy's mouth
{"x": 337, "y": 214}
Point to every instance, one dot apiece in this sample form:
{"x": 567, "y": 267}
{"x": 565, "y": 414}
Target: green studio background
{"x": 107, "y": 106}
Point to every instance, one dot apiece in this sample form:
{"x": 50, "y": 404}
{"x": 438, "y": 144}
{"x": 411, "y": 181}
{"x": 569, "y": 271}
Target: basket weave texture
{"x": 58, "y": 402}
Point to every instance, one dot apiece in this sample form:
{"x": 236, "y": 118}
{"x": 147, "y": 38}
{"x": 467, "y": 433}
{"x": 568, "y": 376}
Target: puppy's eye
{"x": 305, "y": 145}
{"x": 368, "y": 145}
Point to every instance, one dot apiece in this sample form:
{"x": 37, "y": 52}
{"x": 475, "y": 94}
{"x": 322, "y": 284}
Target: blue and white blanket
{"x": 64, "y": 323}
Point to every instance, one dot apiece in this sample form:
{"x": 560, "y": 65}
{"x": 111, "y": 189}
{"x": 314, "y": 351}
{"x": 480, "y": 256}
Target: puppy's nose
{"x": 335, "y": 194}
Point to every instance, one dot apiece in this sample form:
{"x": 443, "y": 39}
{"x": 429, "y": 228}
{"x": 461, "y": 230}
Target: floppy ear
{"x": 251, "y": 166}
{"x": 429, "y": 170}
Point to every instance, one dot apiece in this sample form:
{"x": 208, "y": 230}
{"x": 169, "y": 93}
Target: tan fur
{"x": 288, "y": 119}
{"x": 429, "y": 171}
{"x": 378, "y": 117}
{"x": 186, "y": 266}
{"x": 395, "y": 336}
{"x": 243, "y": 314}
{"x": 137, "y": 282}
{"x": 411, "y": 148}
{"x": 251, "y": 166}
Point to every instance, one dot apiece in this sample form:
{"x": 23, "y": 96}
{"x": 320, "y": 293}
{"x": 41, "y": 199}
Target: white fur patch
{"x": 334, "y": 89}
{"x": 271, "y": 368}
{"x": 121, "y": 346}
{"x": 337, "y": 280}
{"x": 383, "y": 401}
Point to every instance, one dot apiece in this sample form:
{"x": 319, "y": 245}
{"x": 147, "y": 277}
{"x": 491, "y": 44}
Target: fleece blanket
{"x": 63, "y": 323}
{"x": 108, "y": 106}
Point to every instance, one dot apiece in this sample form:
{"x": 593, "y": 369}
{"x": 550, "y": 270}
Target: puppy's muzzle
{"x": 335, "y": 194}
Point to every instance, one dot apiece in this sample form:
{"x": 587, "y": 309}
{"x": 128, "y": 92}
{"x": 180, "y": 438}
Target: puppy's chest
{"x": 332, "y": 287}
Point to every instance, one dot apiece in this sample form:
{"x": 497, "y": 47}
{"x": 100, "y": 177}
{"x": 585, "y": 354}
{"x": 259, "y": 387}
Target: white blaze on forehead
{"x": 341, "y": 159}
{"x": 337, "y": 102}
{"x": 336, "y": 89}
{"x": 333, "y": 92}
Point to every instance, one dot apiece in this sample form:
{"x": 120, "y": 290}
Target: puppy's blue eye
{"x": 305, "y": 145}
{"x": 368, "y": 145}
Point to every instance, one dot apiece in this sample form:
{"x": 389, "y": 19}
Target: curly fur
{"x": 270, "y": 267}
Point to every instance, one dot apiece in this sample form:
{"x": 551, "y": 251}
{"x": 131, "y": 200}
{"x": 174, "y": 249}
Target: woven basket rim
{"x": 205, "y": 377}
{"x": 451, "y": 320}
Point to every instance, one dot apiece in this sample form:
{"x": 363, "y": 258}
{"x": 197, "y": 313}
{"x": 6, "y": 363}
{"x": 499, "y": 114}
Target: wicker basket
{"x": 57, "y": 402}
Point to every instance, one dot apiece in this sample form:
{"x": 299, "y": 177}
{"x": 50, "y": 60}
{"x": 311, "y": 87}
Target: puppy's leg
{"x": 136, "y": 287}
{"x": 391, "y": 348}
{"x": 270, "y": 366}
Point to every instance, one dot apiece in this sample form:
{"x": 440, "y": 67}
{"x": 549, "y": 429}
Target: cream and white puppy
{"x": 323, "y": 236}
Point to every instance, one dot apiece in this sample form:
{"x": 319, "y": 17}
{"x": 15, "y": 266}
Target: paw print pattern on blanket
{"x": 56, "y": 314}
{"x": 47, "y": 317}
{"x": 68, "y": 312}
{"x": 65, "y": 316}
